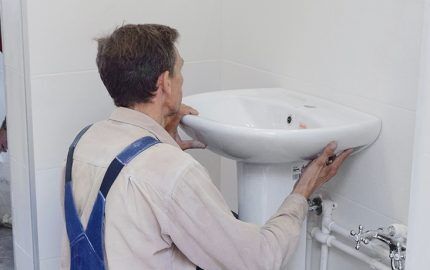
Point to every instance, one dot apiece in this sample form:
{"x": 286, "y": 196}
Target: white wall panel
{"x": 62, "y": 33}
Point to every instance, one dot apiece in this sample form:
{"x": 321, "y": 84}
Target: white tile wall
{"x": 337, "y": 261}
{"x": 22, "y": 259}
{"x": 235, "y": 75}
{"x": 50, "y": 264}
{"x": 201, "y": 76}
{"x": 16, "y": 113}
{"x": 211, "y": 161}
{"x": 50, "y": 218}
{"x": 61, "y": 106}
{"x": 21, "y": 208}
{"x": 68, "y": 44}
{"x": 423, "y": 116}
{"x": 366, "y": 47}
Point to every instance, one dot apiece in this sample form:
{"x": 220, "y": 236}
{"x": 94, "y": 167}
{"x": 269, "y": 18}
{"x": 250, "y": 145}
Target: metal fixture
{"x": 358, "y": 238}
{"x": 394, "y": 237}
{"x": 315, "y": 205}
{"x": 396, "y": 243}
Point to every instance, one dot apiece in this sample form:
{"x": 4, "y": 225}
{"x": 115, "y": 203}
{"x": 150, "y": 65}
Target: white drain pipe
{"x": 308, "y": 250}
{"x": 327, "y": 213}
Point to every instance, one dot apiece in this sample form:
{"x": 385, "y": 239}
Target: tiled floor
{"x": 6, "y": 249}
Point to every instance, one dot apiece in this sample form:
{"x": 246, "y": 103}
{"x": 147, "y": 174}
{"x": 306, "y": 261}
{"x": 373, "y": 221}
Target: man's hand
{"x": 320, "y": 170}
{"x": 171, "y": 125}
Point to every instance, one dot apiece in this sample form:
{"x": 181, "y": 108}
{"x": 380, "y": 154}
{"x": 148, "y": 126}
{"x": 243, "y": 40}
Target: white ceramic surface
{"x": 251, "y": 125}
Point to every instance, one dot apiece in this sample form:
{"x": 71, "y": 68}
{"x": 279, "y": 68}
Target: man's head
{"x": 136, "y": 60}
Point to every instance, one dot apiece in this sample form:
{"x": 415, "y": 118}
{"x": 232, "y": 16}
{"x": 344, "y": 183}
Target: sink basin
{"x": 271, "y": 133}
{"x": 274, "y": 125}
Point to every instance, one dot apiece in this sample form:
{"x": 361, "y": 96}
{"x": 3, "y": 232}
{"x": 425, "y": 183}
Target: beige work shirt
{"x": 164, "y": 212}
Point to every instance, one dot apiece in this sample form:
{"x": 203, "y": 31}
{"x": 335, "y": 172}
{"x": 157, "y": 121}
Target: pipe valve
{"x": 396, "y": 243}
{"x": 359, "y": 237}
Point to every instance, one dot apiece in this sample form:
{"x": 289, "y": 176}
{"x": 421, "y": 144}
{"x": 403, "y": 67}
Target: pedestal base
{"x": 262, "y": 189}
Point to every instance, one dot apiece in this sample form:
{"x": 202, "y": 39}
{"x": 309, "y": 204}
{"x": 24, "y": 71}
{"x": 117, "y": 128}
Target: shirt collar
{"x": 139, "y": 119}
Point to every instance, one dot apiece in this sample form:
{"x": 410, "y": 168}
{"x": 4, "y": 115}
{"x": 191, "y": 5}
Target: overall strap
{"x": 123, "y": 159}
{"x": 72, "y": 147}
{"x": 73, "y": 223}
{"x": 94, "y": 230}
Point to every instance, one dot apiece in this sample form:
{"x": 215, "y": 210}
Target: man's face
{"x": 176, "y": 83}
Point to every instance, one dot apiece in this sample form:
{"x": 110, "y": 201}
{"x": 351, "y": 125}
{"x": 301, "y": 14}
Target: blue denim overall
{"x": 87, "y": 246}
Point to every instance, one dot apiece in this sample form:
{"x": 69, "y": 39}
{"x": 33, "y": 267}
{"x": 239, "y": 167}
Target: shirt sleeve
{"x": 203, "y": 228}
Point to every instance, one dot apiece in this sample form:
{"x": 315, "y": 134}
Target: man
{"x": 163, "y": 212}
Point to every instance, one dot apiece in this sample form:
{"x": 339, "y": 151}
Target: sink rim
{"x": 351, "y": 129}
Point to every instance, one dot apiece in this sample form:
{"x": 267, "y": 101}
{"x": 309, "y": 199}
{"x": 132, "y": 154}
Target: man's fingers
{"x": 326, "y": 154}
{"x": 197, "y": 144}
{"x": 338, "y": 162}
{"x": 341, "y": 158}
{"x": 185, "y": 109}
{"x": 192, "y": 144}
{"x": 193, "y": 111}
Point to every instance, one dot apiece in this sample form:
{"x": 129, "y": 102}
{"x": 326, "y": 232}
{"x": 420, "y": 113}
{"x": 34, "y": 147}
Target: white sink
{"x": 252, "y": 125}
{"x": 271, "y": 133}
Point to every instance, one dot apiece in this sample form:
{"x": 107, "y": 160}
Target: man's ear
{"x": 164, "y": 83}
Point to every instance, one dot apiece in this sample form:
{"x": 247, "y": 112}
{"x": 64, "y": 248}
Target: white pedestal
{"x": 262, "y": 189}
